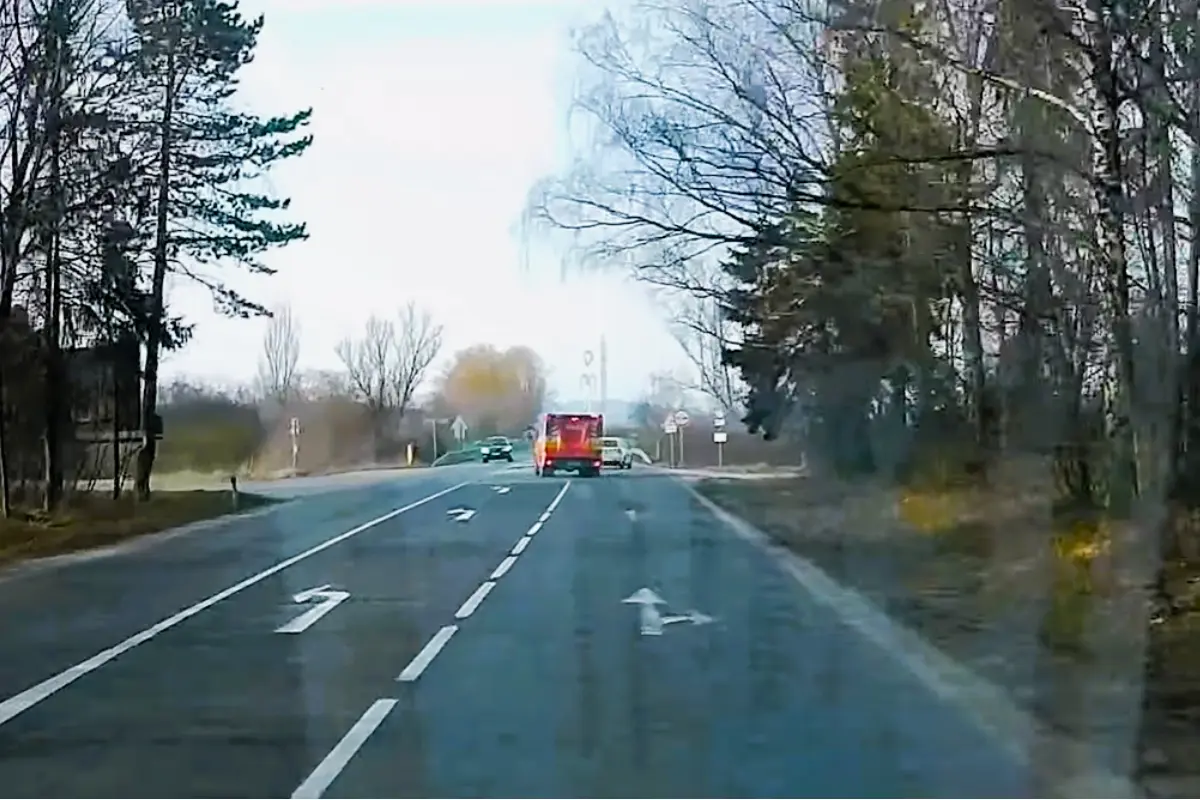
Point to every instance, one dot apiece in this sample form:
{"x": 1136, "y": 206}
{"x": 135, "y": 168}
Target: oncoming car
{"x": 496, "y": 448}
{"x": 614, "y": 452}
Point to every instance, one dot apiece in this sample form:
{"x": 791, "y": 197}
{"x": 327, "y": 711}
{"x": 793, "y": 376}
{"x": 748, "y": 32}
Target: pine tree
{"x": 189, "y": 54}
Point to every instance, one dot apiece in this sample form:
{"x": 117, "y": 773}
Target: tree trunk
{"x": 116, "y": 437}
{"x": 1122, "y": 472}
{"x": 154, "y": 325}
{"x": 54, "y": 383}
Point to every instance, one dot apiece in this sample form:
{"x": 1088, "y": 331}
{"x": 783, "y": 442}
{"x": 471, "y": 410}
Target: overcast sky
{"x": 432, "y": 119}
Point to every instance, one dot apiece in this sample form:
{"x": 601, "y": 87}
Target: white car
{"x": 496, "y": 448}
{"x": 614, "y": 452}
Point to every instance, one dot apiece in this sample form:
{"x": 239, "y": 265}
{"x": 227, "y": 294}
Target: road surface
{"x": 471, "y": 642}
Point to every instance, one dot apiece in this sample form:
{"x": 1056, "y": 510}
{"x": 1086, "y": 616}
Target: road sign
{"x": 330, "y": 599}
{"x": 651, "y": 621}
{"x": 682, "y": 418}
{"x": 459, "y": 428}
{"x": 720, "y": 437}
{"x": 294, "y": 426}
{"x": 669, "y": 426}
{"x": 719, "y": 420}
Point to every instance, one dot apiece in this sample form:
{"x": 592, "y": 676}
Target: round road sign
{"x": 681, "y": 418}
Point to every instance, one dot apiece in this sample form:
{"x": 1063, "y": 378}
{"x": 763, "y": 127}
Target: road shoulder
{"x": 841, "y": 538}
{"x": 91, "y": 525}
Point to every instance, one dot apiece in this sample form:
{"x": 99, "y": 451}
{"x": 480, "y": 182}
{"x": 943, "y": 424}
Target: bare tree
{"x": 370, "y": 366}
{"x": 418, "y": 342}
{"x": 387, "y": 364}
{"x": 280, "y": 356}
{"x": 704, "y": 334}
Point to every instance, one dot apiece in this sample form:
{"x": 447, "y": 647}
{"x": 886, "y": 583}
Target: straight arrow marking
{"x": 651, "y": 621}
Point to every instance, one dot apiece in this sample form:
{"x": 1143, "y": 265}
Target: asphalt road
{"x": 470, "y": 659}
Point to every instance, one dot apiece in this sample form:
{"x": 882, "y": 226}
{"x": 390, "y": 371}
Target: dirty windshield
{"x": 622, "y": 398}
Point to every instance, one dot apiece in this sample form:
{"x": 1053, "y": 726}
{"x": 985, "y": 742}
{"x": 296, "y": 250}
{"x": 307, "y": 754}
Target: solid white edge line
{"x": 989, "y": 706}
{"x": 504, "y": 567}
{"x": 471, "y": 603}
{"x": 27, "y": 699}
{"x": 332, "y": 765}
{"x": 520, "y": 546}
{"x": 429, "y": 652}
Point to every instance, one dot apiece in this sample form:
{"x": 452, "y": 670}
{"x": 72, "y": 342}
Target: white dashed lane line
{"x": 428, "y": 653}
{"x": 423, "y": 659}
{"x": 332, "y": 765}
{"x": 504, "y": 567}
{"x": 468, "y": 607}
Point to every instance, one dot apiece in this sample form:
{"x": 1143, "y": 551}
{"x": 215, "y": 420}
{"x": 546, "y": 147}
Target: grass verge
{"x": 92, "y": 520}
{"x": 1024, "y": 595}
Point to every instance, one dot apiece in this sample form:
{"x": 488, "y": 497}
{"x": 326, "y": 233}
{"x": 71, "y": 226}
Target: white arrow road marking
{"x": 461, "y": 514}
{"x": 502, "y": 489}
{"x": 645, "y": 597}
{"x": 694, "y": 617}
{"x": 330, "y": 598}
{"x": 651, "y": 621}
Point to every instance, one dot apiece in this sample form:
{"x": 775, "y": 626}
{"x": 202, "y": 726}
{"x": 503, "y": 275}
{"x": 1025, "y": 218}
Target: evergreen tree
{"x": 206, "y": 156}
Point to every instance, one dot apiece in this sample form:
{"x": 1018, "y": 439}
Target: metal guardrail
{"x": 470, "y": 454}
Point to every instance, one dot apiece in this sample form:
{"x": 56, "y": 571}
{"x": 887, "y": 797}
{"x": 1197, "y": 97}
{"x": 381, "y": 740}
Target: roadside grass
{"x": 1003, "y": 580}
{"x": 90, "y": 520}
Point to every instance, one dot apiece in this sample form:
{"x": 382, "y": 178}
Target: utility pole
{"x": 588, "y": 380}
{"x": 603, "y": 375}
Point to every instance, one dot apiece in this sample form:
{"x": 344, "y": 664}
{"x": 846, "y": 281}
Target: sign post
{"x": 294, "y": 432}
{"x": 459, "y": 429}
{"x": 433, "y": 423}
{"x": 669, "y": 428}
{"x": 720, "y": 436}
{"x": 681, "y": 421}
